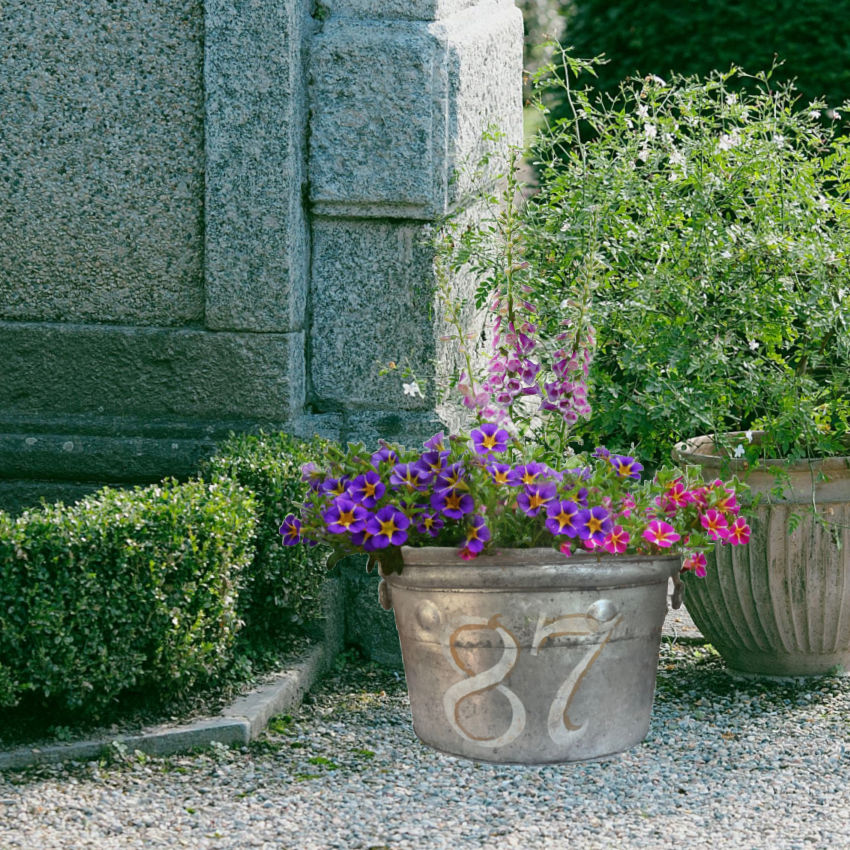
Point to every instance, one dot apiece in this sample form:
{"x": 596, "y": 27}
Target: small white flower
{"x": 650, "y": 131}
{"x": 657, "y": 80}
{"x": 739, "y": 450}
{"x": 643, "y": 154}
{"x": 814, "y": 114}
{"x": 833, "y": 114}
{"x": 729, "y": 140}
{"x": 749, "y": 436}
{"x": 412, "y": 389}
{"x": 753, "y": 345}
{"x": 642, "y": 110}
{"x": 727, "y": 255}
{"x": 731, "y": 99}
{"x": 778, "y": 140}
{"x": 677, "y": 157}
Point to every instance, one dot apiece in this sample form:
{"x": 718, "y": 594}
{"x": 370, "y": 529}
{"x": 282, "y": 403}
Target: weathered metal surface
{"x": 780, "y": 605}
{"x": 526, "y": 657}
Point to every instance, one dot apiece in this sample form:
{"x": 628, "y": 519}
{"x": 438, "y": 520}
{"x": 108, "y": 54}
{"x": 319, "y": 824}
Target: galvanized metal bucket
{"x": 526, "y": 657}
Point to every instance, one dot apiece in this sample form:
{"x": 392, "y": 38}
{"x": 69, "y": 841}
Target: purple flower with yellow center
{"x": 437, "y": 443}
{"x": 388, "y": 527}
{"x": 384, "y": 454}
{"x": 429, "y": 523}
{"x": 451, "y": 478}
{"x": 432, "y": 463}
{"x": 595, "y": 524}
{"x": 291, "y": 530}
{"x": 527, "y": 474}
{"x": 367, "y": 489}
{"x": 452, "y": 503}
{"x": 535, "y": 497}
{"x": 626, "y": 467}
{"x": 499, "y": 472}
{"x": 489, "y": 438}
{"x": 312, "y": 475}
{"x": 408, "y": 475}
{"x": 477, "y": 534}
{"x": 335, "y": 486}
{"x": 562, "y": 517}
{"x": 601, "y": 451}
{"x": 344, "y": 516}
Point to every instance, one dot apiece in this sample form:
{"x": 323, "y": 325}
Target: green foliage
{"x": 126, "y": 590}
{"x": 281, "y": 592}
{"x": 712, "y": 226}
{"x": 695, "y": 38}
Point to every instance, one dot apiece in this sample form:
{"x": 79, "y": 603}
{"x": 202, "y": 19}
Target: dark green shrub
{"x": 126, "y": 590}
{"x": 281, "y": 593}
{"x": 695, "y": 38}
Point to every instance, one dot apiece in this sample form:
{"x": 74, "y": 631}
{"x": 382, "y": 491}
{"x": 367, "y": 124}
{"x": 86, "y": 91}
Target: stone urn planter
{"x": 524, "y": 656}
{"x": 779, "y": 606}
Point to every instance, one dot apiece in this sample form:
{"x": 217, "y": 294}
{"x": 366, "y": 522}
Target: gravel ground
{"x": 728, "y": 763}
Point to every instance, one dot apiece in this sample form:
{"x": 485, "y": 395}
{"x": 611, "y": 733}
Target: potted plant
{"x": 710, "y": 219}
{"x": 529, "y": 582}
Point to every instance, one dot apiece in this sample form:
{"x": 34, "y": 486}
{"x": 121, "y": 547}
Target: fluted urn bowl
{"x": 780, "y": 605}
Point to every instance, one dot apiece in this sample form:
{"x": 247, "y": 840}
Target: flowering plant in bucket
{"x": 484, "y": 489}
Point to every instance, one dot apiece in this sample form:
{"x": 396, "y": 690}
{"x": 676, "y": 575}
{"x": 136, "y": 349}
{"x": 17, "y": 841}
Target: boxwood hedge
{"x": 128, "y": 590}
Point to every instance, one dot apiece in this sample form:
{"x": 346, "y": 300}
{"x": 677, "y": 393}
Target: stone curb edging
{"x": 238, "y": 724}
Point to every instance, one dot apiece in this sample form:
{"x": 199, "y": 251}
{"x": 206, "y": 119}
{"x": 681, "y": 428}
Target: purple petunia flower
{"x": 367, "y": 489}
{"x": 429, "y": 523}
{"x": 384, "y": 454}
{"x": 345, "y": 516}
{"x": 477, "y": 534}
{"x": 388, "y": 527}
{"x": 489, "y": 438}
{"x": 335, "y": 486}
{"x": 595, "y": 524}
{"x": 291, "y": 530}
{"x": 535, "y": 497}
{"x": 562, "y": 517}
{"x": 452, "y": 503}
{"x": 432, "y": 463}
{"x": 499, "y": 472}
{"x": 408, "y": 475}
{"x": 451, "y": 478}
{"x": 437, "y": 443}
{"x": 527, "y": 474}
{"x": 626, "y": 467}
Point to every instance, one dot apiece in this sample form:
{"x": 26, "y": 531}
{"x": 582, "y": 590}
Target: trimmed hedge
{"x": 695, "y": 38}
{"x": 126, "y": 590}
{"x": 281, "y": 593}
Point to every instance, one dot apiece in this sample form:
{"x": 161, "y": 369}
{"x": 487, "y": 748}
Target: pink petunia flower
{"x": 661, "y": 533}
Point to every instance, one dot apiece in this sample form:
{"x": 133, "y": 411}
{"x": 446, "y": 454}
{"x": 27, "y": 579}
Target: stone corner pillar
{"x": 401, "y": 94}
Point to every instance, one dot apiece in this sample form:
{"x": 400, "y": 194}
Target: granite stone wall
{"x": 215, "y": 215}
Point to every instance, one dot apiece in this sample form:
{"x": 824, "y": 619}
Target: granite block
{"x": 256, "y": 236}
{"x": 398, "y": 107}
{"x": 371, "y": 305}
{"x": 412, "y": 10}
{"x": 101, "y": 161}
{"x": 149, "y": 372}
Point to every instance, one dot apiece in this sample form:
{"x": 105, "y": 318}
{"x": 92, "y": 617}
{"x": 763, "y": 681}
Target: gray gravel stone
{"x": 727, "y": 763}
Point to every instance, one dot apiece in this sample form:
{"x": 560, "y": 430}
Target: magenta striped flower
{"x": 661, "y": 533}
